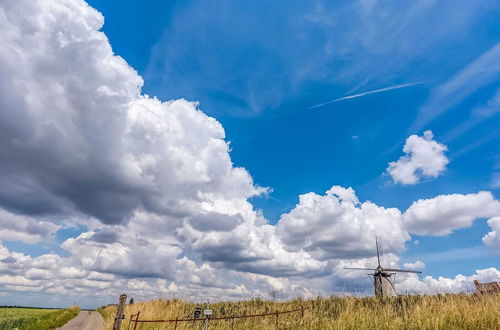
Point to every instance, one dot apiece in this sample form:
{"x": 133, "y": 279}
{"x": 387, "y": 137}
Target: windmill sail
{"x": 378, "y": 254}
{"x": 402, "y": 270}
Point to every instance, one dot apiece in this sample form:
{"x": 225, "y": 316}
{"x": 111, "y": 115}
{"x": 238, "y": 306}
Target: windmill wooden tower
{"x": 382, "y": 281}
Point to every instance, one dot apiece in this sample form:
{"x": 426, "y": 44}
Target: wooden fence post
{"x": 136, "y": 319}
{"x": 175, "y": 324}
{"x": 119, "y": 312}
{"x": 277, "y": 322}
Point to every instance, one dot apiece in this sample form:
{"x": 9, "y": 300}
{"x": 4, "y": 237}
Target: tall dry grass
{"x": 462, "y": 311}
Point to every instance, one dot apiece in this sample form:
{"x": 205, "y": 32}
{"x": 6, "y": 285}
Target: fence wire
{"x": 135, "y": 318}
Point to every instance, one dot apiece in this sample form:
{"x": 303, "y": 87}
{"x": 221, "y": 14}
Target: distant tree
{"x": 131, "y": 300}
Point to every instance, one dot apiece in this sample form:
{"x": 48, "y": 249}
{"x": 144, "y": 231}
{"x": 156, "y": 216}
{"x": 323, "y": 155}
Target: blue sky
{"x": 259, "y": 67}
{"x": 310, "y": 95}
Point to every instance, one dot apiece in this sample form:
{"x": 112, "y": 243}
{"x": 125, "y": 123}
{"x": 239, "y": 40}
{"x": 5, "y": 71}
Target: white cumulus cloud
{"x": 458, "y": 284}
{"x": 415, "y": 265}
{"x": 78, "y": 138}
{"x": 337, "y": 225}
{"x": 163, "y": 208}
{"x": 443, "y": 214}
{"x": 492, "y": 239}
{"x": 423, "y": 157}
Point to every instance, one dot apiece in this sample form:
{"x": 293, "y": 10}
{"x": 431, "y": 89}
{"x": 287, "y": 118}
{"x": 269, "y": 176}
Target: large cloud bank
{"x": 165, "y": 210}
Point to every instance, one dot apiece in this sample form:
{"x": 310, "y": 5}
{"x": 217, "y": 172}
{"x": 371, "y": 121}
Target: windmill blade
{"x": 378, "y": 255}
{"x": 401, "y": 270}
{"x": 359, "y": 268}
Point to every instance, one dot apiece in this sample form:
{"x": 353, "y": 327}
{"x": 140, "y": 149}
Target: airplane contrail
{"x": 369, "y": 92}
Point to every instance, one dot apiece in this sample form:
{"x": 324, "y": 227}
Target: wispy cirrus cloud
{"x": 478, "y": 73}
{"x": 342, "y": 46}
{"x": 375, "y": 91}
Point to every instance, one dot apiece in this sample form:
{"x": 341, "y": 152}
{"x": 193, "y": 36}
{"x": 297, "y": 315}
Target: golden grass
{"x": 461, "y": 311}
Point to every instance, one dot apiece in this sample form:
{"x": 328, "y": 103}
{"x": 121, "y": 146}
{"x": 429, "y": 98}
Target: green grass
{"x": 35, "y": 318}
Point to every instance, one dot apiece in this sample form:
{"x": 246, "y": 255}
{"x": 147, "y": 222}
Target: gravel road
{"x": 84, "y": 321}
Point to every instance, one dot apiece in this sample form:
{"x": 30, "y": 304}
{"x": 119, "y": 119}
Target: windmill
{"x": 382, "y": 282}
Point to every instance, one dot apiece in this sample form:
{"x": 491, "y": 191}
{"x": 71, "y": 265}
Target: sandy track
{"x": 85, "y": 320}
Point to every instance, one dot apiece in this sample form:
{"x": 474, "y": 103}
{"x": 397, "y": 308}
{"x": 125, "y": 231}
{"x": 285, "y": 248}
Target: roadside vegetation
{"x": 35, "y": 318}
{"x": 460, "y": 311}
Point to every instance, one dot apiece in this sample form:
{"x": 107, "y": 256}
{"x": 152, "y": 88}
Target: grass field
{"x": 405, "y": 312}
{"x": 35, "y": 318}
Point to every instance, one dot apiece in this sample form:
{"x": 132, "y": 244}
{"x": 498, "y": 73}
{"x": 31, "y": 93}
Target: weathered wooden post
{"x": 119, "y": 312}
{"x": 277, "y": 321}
{"x": 136, "y": 320}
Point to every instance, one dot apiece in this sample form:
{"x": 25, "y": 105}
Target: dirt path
{"x": 84, "y": 321}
